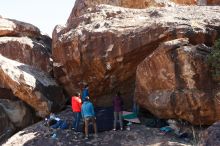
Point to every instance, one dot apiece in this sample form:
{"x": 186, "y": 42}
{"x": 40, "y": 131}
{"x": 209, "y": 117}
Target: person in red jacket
{"x": 76, "y": 107}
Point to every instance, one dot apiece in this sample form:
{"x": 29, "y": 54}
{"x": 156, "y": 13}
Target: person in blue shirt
{"x": 88, "y": 115}
{"x": 85, "y": 92}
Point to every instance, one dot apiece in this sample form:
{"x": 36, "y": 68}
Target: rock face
{"x": 24, "y": 83}
{"x": 10, "y": 27}
{"x": 213, "y": 2}
{"x": 81, "y": 6}
{"x": 27, "y": 50}
{"x": 6, "y": 93}
{"x": 6, "y": 127}
{"x": 14, "y": 115}
{"x": 175, "y": 82}
{"x": 32, "y": 86}
{"x": 18, "y": 113}
{"x": 211, "y": 136}
{"x": 186, "y": 2}
{"x": 23, "y": 42}
{"x": 104, "y": 47}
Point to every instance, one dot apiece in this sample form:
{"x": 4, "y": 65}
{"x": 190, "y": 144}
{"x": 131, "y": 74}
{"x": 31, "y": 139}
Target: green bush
{"x": 214, "y": 60}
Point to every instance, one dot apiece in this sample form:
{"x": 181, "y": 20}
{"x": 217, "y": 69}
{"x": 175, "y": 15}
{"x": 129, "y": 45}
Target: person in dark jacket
{"x": 85, "y": 92}
{"x": 88, "y": 115}
{"x": 118, "y": 107}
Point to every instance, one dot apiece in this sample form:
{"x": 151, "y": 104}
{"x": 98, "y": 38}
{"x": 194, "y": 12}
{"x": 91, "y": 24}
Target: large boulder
{"x": 197, "y": 2}
{"x": 23, "y": 42}
{"x": 104, "y": 47}
{"x": 186, "y": 2}
{"x": 6, "y": 126}
{"x": 10, "y": 27}
{"x": 27, "y": 50}
{"x": 6, "y": 93}
{"x": 32, "y": 86}
{"x": 213, "y": 2}
{"x": 18, "y": 112}
{"x": 175, "y": 82}
{"x": 81, "y": 6}
{"x": 14, "y": 115}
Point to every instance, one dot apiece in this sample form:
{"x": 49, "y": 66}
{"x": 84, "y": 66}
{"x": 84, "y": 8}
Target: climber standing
{"x": 76, "y": 107}
{"x": 118, "y": 107}
{"x": 88, "y": 115}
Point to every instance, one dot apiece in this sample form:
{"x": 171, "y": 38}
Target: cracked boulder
{"x": 175, "y": 82}
{"x": 34, "y": 87}
{"x": 104, "y": 46}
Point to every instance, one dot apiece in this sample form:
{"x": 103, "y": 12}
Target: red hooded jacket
{"x": 76, "y": 104}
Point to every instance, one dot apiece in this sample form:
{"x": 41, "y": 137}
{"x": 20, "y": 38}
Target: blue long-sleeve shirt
{"x": 87, "y": 109}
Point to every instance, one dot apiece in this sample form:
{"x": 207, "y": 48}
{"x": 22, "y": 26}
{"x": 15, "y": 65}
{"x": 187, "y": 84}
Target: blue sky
{"x": 45, "y": 14}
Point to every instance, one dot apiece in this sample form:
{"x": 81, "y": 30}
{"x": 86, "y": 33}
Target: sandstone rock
{"x": 32, "y": 86}
{"x": 186, "y": 2}
{"x": 104, "y": 47}
{"x": 213, "y": 2}
{"x": 10, "y": 27}
{"x": 6, "y": 127}
{"x": 23, "y": 42}
{"x": 29, "y": 51}
{"x": 83, "y": 6}
{"x": 175, "y": 82}
{"x": 197, "y": 2}
{"x": 18, "y": 113}
{"x": 6, "y": 93}
{"x": 15, "y": 115}
{"x": 211, "y": 136}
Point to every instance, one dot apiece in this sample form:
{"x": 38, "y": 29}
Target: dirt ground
{"x": 139, "y": 135}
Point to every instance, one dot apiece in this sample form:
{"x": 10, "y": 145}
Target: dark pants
{"x": 76, "y": 122}
{"x": 57, "y": 125}
{"x": 87, "y": 120}
{"x": 118, "y": 115}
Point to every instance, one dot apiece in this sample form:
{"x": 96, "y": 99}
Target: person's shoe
{"x": 54, "y": 136}
{"x": 121, "y": 129}
{"x": 86, "y": 137}
{"x": 114, "y": 129}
